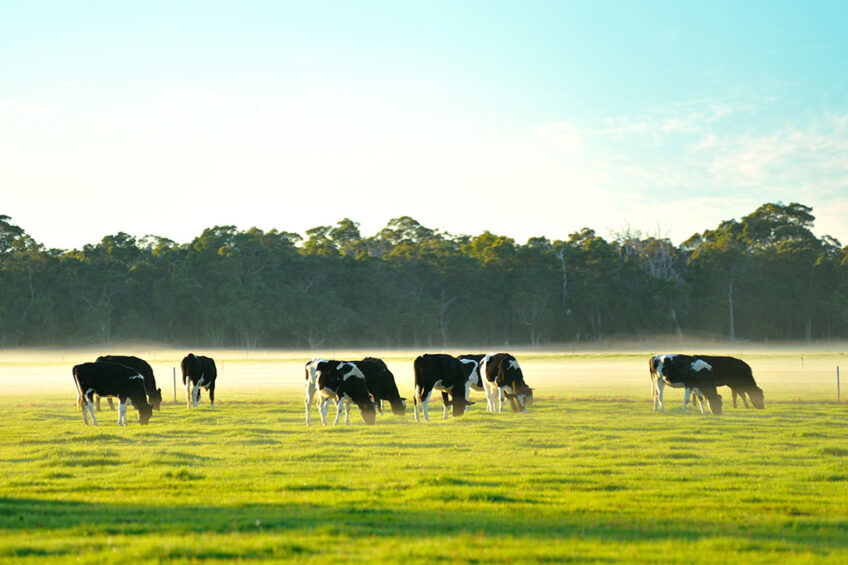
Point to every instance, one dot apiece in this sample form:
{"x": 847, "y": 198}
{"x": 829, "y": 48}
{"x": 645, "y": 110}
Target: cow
{"x": 343, "y": 382}
{"x": 311, "y": 385}
{"x": 198, "y": 372}
{"x": 501, "y": 377}
{"x": 381, "y": 384}
{"x": 144, "y": 369}
{"x": 446, "y": 374}
{"x": 688, "y": 372}
{"x": 108, "y": 380}
{"x": 736, "y": 374}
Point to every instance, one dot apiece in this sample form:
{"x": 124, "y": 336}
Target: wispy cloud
{"x": 12, "y": 108}
{"x": 711, "y": 159}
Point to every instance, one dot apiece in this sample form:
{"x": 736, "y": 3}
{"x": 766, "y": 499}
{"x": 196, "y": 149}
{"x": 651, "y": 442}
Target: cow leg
{"x": 212, "y": 395}
{"x": 323, "y": 405}
{"x": 346, "y": 404}
{"x": 83, "y": 403}
{"x": 310, "y": 393}
{"x": 658, "y": 401}
{"x": 686, "y": 393}
{"x": 122, "y": 410}
{"x": 500, "y": 399}
{"x": 416, "y": 400}
{"x": 425, "y": 405}
{"x": 90, "y": 406}
{"x": 195, "y": 394}
{"x": 339, "y": 410}
{"x": 447, "y": 403}
{"x": 109, "y": 400}
{"x": 188, "y": 393}
{"x": 700, "y": 397}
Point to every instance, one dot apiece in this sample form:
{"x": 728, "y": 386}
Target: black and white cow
{"x": 198, "y": 372}
{"x": 690, "y": 373}
{"x": 381, "y": 384}
{"x": 502, "y": 378}
{"x": 444, "y": 373}
{"x": 143, "y": 368}
{"x": 111, "y": 380}
{"x": 343, "y": 382}
{"x": 736, "y": 374}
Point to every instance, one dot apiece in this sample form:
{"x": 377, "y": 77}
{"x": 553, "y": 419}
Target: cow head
{"x": 458, "y": 405}
{"x": 713, "y": 401}
{"x": 757, "y": 398}
{"x": 521, "y": 398}
{"x": 156, "y": 398}
{"x": 369, "y": 413}
{"x": 144, "y": 412}
{"x": 398, "y": 406}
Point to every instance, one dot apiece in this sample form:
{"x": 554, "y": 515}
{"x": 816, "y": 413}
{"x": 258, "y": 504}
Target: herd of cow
{"x": 369, "y": 382}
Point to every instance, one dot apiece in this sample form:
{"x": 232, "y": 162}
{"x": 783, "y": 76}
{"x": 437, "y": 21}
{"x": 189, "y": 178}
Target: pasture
{"x": 590, "y": 474}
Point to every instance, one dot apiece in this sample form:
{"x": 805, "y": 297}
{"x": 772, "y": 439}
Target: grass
{"x": 591, "y": 474}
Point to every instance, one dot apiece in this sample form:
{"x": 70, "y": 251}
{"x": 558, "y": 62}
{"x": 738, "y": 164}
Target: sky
{"x": 522, "y": 118}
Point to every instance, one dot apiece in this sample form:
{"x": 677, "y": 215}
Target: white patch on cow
{"x": 352, "y": 372}
{"x": 700, "y": 365}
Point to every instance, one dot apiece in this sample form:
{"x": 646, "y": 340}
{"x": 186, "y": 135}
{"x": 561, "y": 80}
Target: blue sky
{"x": 522, "y": 118}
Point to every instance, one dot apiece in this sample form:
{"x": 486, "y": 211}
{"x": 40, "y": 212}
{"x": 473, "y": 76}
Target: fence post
{"x": 837, "y": 385}
{"x": 174, "y": 371}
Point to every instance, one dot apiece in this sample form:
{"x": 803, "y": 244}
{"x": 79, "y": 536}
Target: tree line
{"x": 764, "y": 277}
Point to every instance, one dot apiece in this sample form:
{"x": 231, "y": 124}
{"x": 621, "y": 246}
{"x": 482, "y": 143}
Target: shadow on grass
{"x": 26, "y": 514}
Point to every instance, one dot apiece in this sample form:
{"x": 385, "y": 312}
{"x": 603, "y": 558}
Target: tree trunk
{"x": 730, "y": 306}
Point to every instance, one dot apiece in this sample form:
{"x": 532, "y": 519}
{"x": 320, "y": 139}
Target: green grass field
{"x": 591, "y": 474}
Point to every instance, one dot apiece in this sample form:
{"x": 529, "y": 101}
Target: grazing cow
{"x": 381, "y": 384}
{"x": 198, "y": 372}
{"x": 736, "y": 374}
{"x": 111, "y": 379}
{"x": 446, "y": 374}
{"x": 343, "y": 382}
{"x": 311, "y": 385}
{"x": 502, "y": 377}
{"x": 144, "y": 369}
{"x": 693, "y": 374}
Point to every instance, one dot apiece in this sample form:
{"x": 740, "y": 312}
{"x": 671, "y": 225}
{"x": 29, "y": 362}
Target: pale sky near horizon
{"x": 521, "y": 118}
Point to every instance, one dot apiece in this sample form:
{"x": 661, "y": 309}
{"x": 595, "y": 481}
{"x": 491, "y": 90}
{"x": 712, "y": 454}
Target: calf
{"x": 446, "y": 374}
{"x": 198, "y": 372}
{"x": 343, "y": 382}
{"x": 736, "y": 374}
{"x": 108, "y": 380}
{"x": 381, "y": 384}
{"x": 693, "y": 374}
{"x": 144, "y": 369}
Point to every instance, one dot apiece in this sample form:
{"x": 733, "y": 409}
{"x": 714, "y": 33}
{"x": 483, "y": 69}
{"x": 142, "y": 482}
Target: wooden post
{"x": 837, "y": 384}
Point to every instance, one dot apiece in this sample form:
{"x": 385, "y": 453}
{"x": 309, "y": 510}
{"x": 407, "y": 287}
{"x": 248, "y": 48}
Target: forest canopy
{"x": 763, "y": 277}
